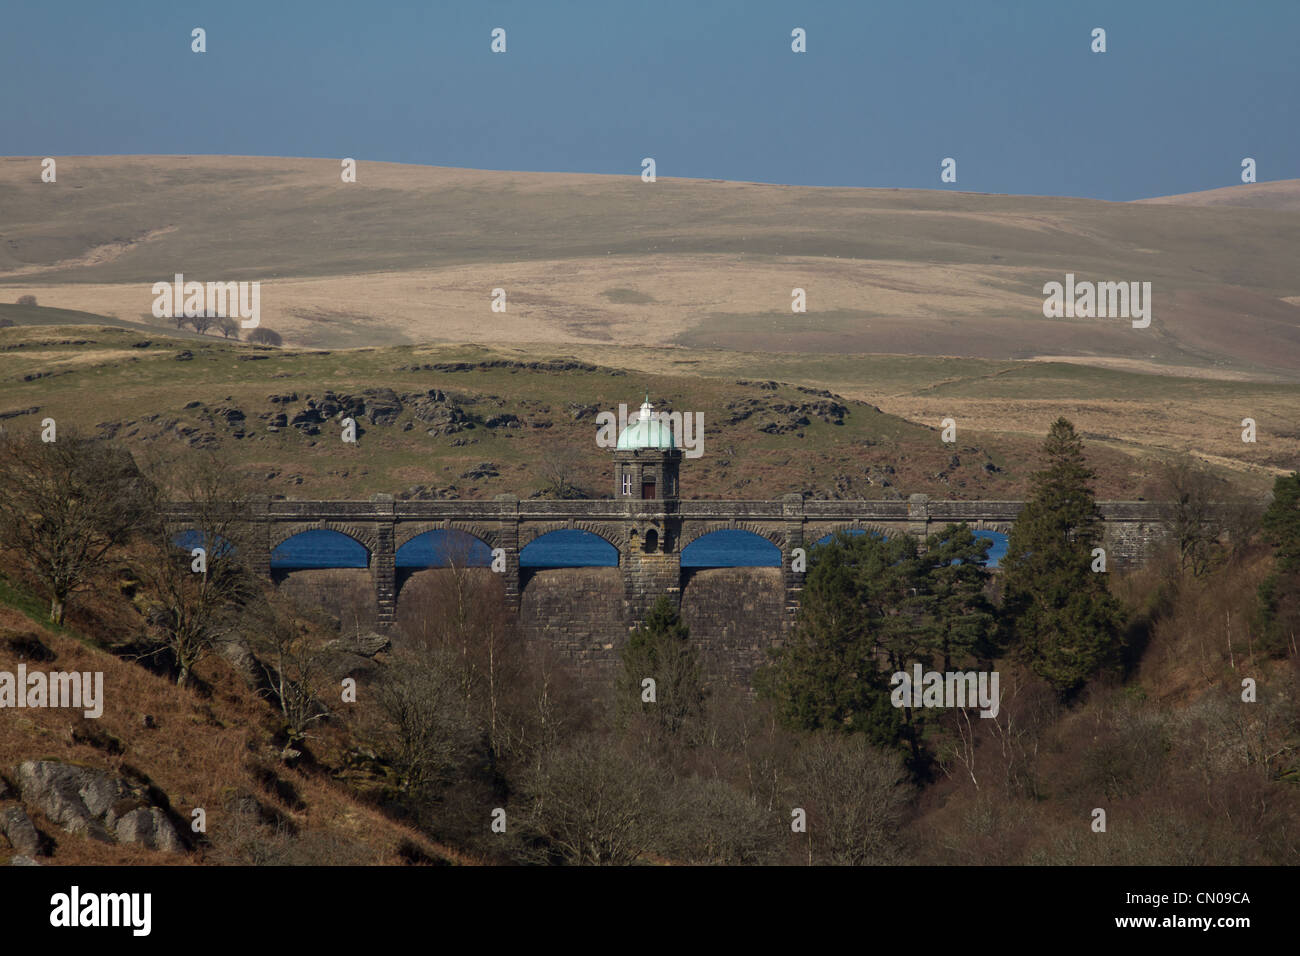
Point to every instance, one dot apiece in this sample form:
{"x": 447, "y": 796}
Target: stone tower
{"x": 647, "y": 459}
{"x": 646, "y": 463}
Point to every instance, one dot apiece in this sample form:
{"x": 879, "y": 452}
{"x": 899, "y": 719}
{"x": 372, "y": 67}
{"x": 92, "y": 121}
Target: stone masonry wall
{"x": 578, "y": 612}
{"x": 734, "y": 615}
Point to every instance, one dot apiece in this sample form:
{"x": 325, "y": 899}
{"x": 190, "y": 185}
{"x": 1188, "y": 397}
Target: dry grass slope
{"x": 409, "y": 254}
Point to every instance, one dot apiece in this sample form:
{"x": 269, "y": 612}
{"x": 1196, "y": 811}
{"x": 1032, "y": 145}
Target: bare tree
{"x": 855, "y": 795}
{"x": 64, "y": 505}
{"x": 422, "y": 729}
{"x": 709, "y": 821}
{"x": 203, "y": 321}
{"x": 293, "y": 659}
{"x": 559, "y": 466}
{"x": 1193, "y": 517}
{"x": 228, "y": 327}
{"x": 27, "y": 300}
{"x": 200, "y": 588}
{"x": 590, "y": 803}
{"x": 460, "y": 608}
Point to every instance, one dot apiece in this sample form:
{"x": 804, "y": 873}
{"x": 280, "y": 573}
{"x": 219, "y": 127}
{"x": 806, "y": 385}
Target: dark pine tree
{"x": 827, "y": 675}
{"x": 1058, "y": 612}
{"x": 964, "y": 617}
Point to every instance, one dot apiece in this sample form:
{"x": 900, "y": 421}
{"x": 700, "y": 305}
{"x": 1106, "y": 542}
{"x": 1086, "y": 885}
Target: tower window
{"x": 627, "y": 483}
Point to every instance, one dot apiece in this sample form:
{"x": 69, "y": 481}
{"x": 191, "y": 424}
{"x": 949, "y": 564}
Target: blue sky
{"x": 710, "y": 89}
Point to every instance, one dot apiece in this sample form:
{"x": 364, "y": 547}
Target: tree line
{"x": 461, "y": 717}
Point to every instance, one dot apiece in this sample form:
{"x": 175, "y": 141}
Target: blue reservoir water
{"x": 731, "y": 549}
{"x": 559, "y": 549}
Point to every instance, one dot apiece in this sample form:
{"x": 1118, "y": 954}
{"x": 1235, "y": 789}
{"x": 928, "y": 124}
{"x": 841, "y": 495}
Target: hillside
{"x": 471, "y": 422}
{"x": 520, "y": 408}
{"x": 213, "y": 747}
{"x": 410, "y": 254}
{"x": 1279, "y": 195}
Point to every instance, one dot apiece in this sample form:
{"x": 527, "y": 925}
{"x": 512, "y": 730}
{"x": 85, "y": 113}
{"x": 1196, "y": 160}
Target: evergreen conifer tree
{"x": 827, "y": 675}
{"x": 1060, "y": 613}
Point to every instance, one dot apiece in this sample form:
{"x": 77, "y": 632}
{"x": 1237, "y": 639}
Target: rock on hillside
{"x": 97, "y": 804}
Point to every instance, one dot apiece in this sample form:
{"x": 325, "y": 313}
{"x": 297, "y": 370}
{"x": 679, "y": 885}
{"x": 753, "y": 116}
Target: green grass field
{"x": 146, "y": 390}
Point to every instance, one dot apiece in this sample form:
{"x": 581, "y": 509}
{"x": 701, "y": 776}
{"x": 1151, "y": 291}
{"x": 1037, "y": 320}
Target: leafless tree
{"x": 422, "y": 727}
{"x": 1193, "y": 516}
{"x": 559, "y": 465}
{"x": 460, "y": 608}
{"x": 590, "y": 803}
{"x": 855, "y": 795}
{"x": 64, "y": 505}
{"x": 292, "y": 654}
{"x": 200, "y": 589}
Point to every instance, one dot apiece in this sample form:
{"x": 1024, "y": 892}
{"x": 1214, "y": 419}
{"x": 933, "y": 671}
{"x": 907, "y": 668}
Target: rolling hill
{"x": 411, "y": 254}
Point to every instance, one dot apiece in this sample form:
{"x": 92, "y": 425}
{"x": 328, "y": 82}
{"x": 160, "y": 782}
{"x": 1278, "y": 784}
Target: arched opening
{"x": 571, "y": 576}
{"x": 731, "y": 548}
{"x": 319, "y": 548}
{"x": 569, "y": 548}
{"x": 733, "y": 599}
{"x": 440, "y": 548}
{"x": 327, "y": 570}
{"x": 444, "y": 547}
{"x": 651, "y": 542}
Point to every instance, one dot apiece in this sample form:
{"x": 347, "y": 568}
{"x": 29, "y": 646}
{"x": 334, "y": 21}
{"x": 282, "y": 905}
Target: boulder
{"x": 363, "y": 645}
{"x": 96, "y": 804}
{"x": 382, "y": 406}
{"x": 21, "y": 833}
{"x": 55, "y": 790}
{"x": 150, "y": 828}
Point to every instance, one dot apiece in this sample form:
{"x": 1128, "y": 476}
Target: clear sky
{"x": 885, "y": 91}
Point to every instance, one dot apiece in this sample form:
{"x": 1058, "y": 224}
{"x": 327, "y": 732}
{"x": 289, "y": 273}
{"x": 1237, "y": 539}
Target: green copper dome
{"x": 646, "y": 431}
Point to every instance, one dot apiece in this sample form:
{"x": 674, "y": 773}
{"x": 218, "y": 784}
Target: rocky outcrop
{"x": 97, "y": 804}
{"x": 779, "y": 417}
{"x": 382, "y": 406}
{"x": 362, "y": 645}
